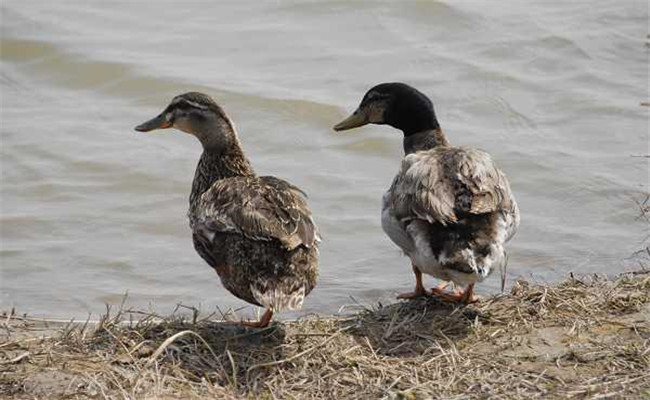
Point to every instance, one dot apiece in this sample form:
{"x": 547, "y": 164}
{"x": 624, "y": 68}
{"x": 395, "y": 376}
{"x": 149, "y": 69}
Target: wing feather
{"x": 260, "y": 208}
{"x": 440, "y": 184}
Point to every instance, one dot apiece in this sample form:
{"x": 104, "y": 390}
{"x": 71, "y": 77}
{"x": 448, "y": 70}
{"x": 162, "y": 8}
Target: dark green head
{"x": 396, "y": 104}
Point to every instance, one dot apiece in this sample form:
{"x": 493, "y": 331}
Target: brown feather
{"x": 259, "y": 208}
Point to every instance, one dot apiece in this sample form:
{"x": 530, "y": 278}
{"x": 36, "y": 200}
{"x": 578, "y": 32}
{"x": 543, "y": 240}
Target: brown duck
{"x": 257, "y": 232}
{"x": 450, "y": 209}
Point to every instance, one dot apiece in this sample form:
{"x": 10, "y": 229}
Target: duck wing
{"x": 259, "y": 208}
{"x": 442, "y": 184}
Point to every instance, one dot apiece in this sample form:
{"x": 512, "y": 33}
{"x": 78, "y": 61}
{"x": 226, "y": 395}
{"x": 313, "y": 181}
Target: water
{"x": 92, "y": 210}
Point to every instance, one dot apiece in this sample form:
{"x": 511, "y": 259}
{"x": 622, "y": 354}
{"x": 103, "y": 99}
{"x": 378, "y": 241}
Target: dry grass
{"x": 583, "y": 338}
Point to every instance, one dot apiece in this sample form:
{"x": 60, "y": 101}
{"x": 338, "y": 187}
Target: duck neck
{"x": 424, "y": 140}
{"x": 215, "y": 165}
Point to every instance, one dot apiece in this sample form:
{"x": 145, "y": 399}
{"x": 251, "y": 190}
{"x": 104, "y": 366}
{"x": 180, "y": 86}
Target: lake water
{"x": 92, "y": 210}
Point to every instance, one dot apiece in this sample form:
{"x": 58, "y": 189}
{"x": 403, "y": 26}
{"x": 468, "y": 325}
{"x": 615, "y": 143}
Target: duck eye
{"x": 183, "y": 106}
{"x": 375, "y": 96}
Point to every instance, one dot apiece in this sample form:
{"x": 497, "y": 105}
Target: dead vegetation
{"x": 583, "y": 338}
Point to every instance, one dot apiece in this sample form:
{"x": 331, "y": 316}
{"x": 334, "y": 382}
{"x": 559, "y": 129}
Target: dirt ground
{"x": 584, "y": 338}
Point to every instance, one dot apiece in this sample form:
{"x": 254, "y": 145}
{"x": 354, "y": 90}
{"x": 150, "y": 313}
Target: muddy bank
{"x": 583, "y": 338}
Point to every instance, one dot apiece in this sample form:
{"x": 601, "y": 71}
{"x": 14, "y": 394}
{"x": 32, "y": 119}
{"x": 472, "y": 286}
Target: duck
{"x": 450, "y": 209}
{"x": 256, "y": 232}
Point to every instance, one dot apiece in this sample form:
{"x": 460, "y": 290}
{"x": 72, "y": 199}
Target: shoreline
{"x": 585, "y": 337}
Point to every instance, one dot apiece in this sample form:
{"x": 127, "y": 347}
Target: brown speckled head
{"x": 197, "y": 114}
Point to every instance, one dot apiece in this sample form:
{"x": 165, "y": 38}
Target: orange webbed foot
{"x": 457, "y": 296}
{"x": 419, "y": 288}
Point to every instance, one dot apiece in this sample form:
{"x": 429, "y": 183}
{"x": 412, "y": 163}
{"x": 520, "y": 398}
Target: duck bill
{"x": 160, "y": 122}
{"x": 357, "y": 119}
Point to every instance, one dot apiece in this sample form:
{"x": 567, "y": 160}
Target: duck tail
{"x": 277, "y": 297}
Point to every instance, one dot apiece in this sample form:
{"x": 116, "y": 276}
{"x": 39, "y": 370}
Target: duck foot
{"x": 458, "y": 296}
{"x": 419, "y": 288}
{"x": 262, "y": 323}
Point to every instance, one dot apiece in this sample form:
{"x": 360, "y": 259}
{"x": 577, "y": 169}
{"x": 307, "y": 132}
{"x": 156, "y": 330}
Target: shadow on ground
{"x": 221, "y": 352}
{"x": 411, "y": 328}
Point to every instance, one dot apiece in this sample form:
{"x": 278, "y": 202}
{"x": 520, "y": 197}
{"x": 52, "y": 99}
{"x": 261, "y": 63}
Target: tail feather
{"x": 278, "y": 298}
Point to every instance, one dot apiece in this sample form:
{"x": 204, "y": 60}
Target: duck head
{"x": 197, "y": 114}
{"x": 396, "y": 104}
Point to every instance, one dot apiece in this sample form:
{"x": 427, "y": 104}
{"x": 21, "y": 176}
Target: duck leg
{"x": 419, "y": 288}
{"x": 459, "y": 296}
{"x": 263, "y": 322}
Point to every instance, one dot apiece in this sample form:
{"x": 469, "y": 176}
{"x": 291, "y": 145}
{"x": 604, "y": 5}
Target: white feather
{"x": 277, "y": 299}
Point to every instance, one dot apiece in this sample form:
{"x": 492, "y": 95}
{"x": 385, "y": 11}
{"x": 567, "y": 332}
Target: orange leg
{"x": 460, "y": 296}
{"x": 419, "y": 288}
{"x": 263, "y": 322}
